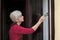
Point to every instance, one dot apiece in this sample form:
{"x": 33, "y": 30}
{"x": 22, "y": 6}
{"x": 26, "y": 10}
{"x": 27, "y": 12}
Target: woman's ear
{"x": 17, "y": 20}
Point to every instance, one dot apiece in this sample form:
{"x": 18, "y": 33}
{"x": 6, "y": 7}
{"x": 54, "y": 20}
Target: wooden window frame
{"x": 0, "y": 19}
{"x": 52, "y": 20}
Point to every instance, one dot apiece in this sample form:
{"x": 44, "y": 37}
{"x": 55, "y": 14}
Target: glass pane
{"x": 36, "y": 10}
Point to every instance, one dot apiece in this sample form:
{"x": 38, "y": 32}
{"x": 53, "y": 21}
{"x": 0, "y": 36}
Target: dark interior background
{"x": 35, "y": 11}
{"x": 9, "y": 6}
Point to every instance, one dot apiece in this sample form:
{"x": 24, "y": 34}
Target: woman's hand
{"x": 42, "y": 18}
{"x": 38, "y": 23}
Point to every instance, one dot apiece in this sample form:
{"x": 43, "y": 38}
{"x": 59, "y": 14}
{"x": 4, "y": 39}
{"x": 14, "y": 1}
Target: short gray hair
{"x": 15, "y": 14}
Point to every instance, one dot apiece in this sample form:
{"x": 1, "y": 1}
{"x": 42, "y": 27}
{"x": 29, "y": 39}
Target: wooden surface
{"x": 0, "y": 19}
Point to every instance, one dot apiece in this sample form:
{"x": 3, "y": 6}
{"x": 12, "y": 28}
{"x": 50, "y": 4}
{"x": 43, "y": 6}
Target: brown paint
{"x": 0, "y": 19}
{"x": 52, "y": 19}
{"x": 52, "y": 22}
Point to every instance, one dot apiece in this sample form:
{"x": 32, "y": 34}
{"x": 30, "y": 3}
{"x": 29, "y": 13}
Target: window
{"x": 33, "y": 9}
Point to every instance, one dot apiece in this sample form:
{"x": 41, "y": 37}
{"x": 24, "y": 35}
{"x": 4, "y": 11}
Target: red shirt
{"x": 16, "y": 32}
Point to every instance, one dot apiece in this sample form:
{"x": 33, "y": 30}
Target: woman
{"x": 16, "y": 31}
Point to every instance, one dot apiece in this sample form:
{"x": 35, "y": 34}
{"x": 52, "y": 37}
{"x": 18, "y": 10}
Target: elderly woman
{"x": 16, "y": 31}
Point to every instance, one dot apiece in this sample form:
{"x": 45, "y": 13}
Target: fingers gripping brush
{"x": 45, "y": 14}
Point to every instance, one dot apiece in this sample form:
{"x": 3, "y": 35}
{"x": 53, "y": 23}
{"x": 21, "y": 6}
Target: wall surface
{"x": 57, "y": 19}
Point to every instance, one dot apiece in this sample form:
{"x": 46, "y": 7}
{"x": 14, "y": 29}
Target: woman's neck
{"x": 18, "y": 23}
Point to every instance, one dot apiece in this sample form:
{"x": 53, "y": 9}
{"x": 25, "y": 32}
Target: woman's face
{"x": 21, "y": 19}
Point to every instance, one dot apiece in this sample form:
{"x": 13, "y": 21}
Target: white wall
{"x": 57, "y": 19}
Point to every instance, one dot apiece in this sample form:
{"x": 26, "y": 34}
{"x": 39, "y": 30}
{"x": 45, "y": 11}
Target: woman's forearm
{"x": 38, "y": 23}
